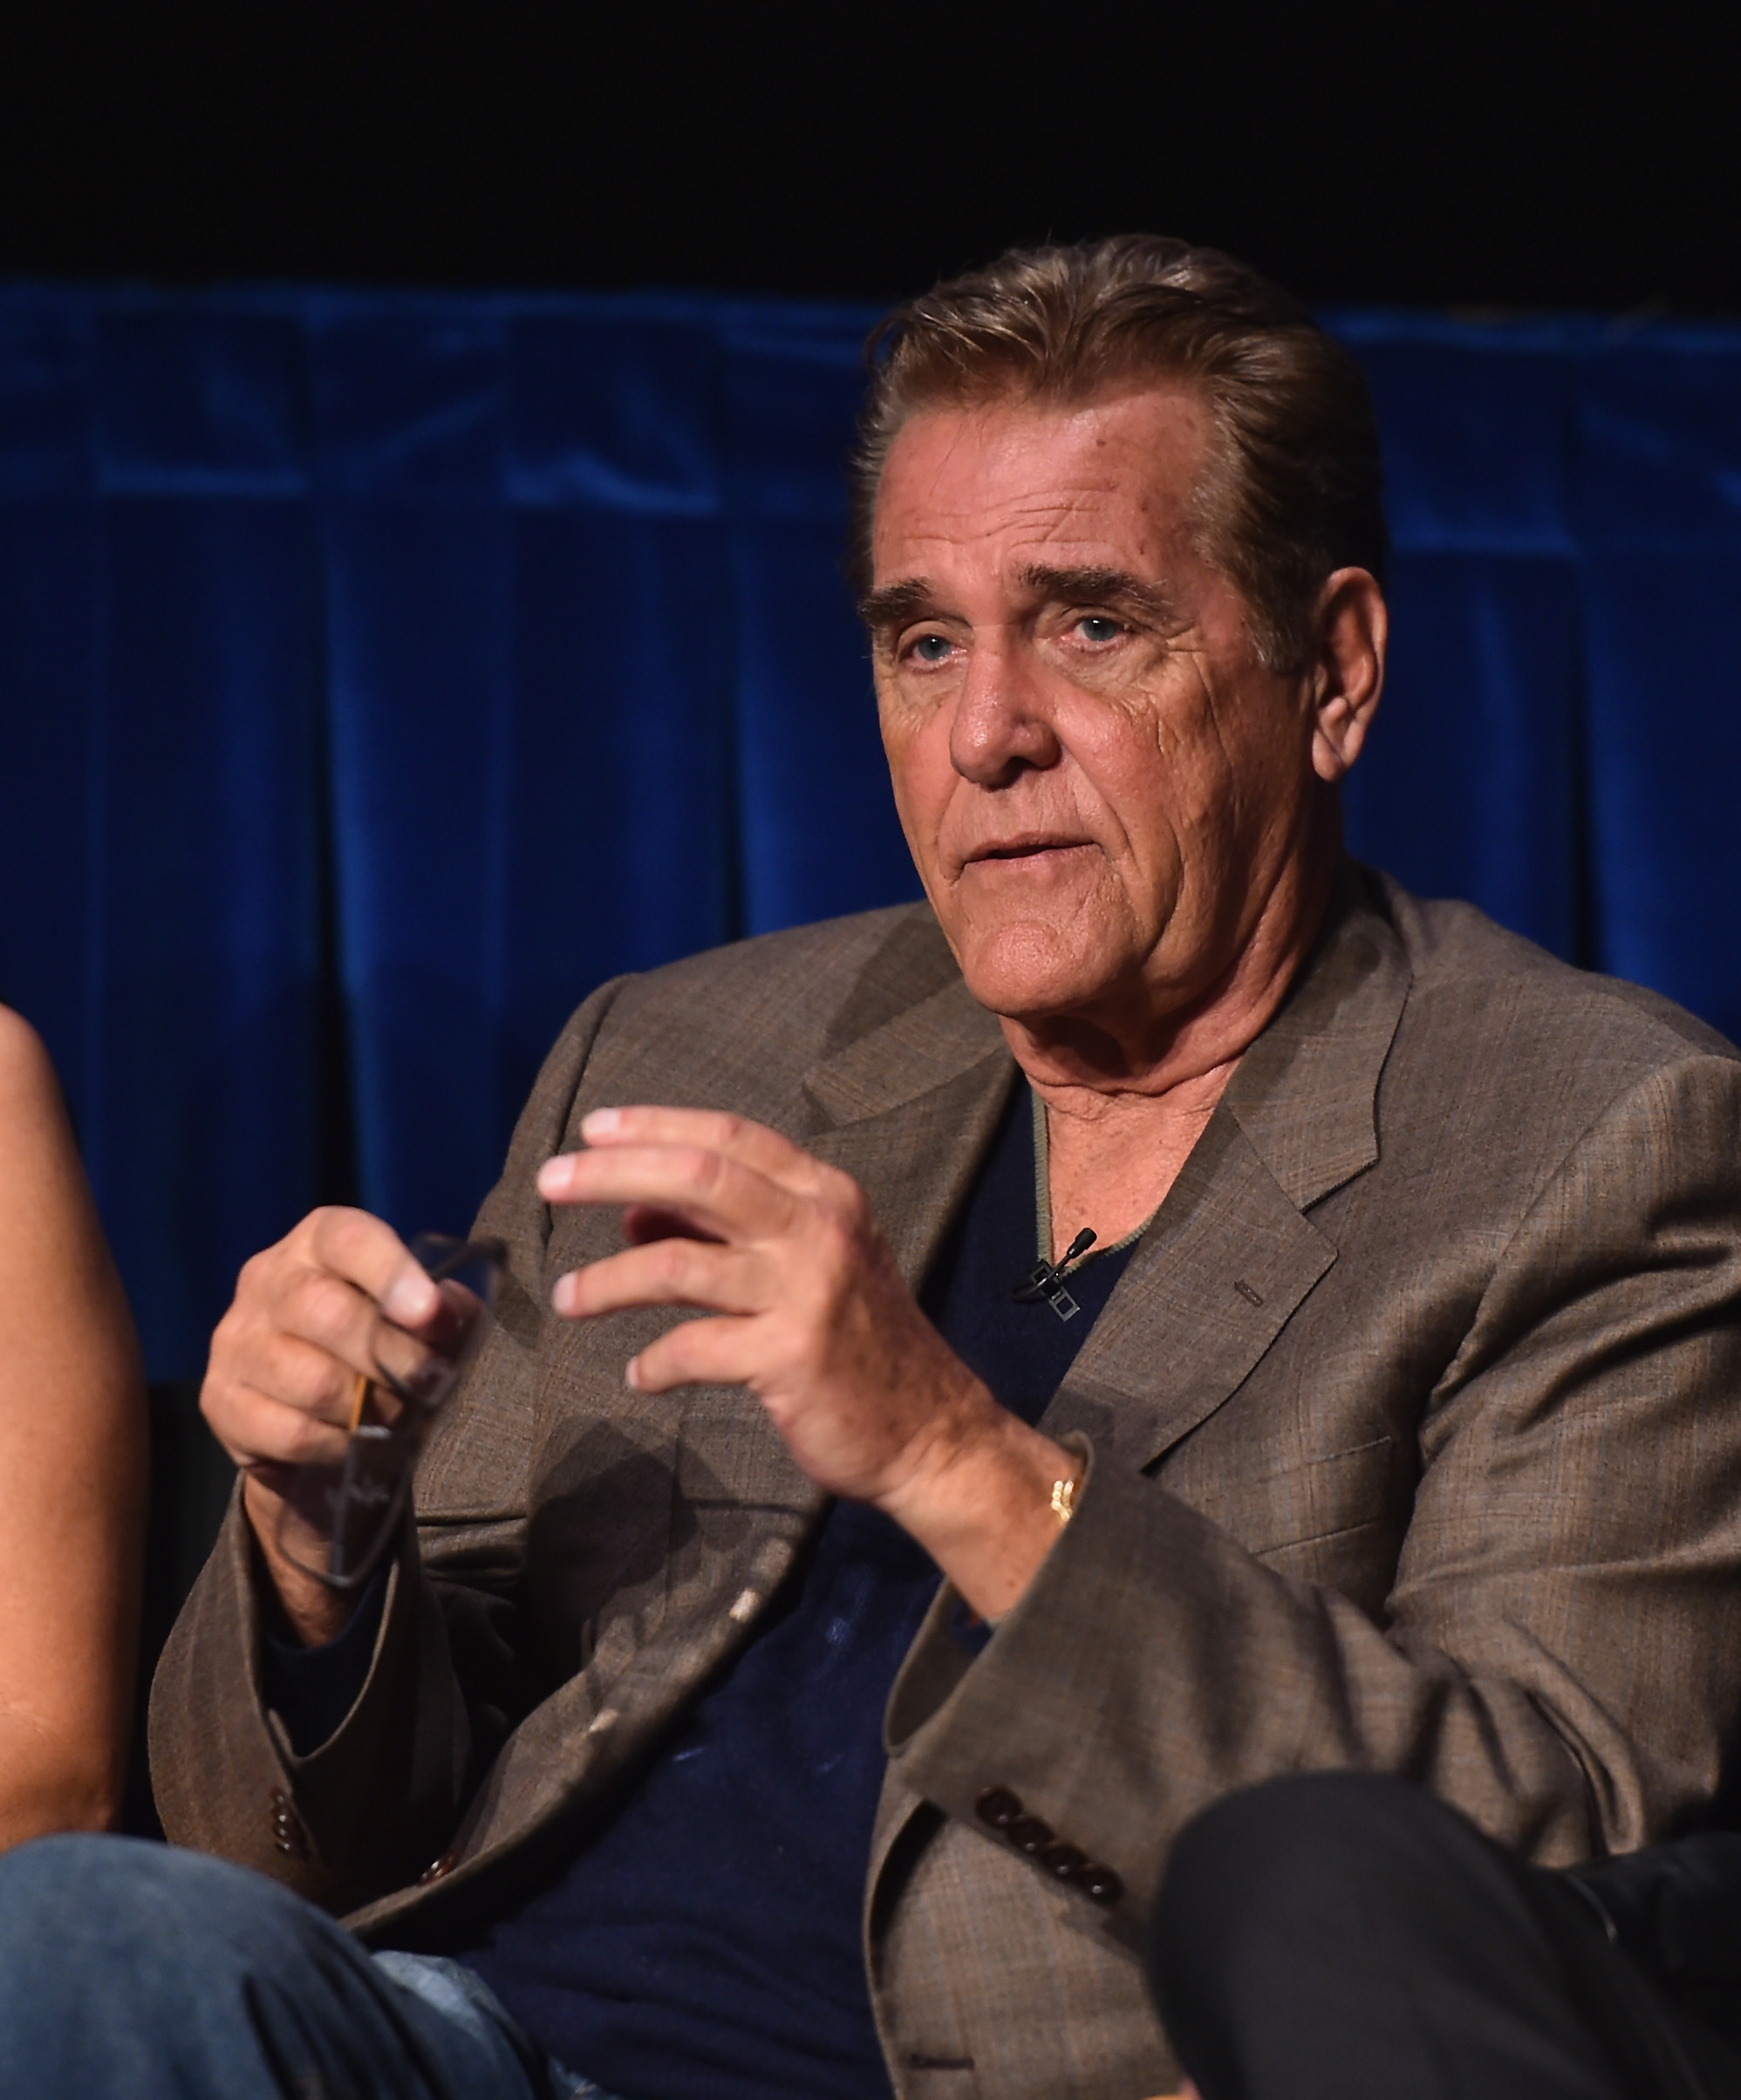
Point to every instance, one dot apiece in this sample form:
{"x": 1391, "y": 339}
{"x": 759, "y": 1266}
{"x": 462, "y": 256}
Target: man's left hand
{"x": 812, "y": 1314}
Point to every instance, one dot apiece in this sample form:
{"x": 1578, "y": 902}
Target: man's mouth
{"x": 1033, "y": 847}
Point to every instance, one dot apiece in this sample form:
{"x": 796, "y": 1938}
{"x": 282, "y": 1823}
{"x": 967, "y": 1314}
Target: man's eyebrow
{"x": 894, "y": 604}
{"x": 1097, "y": 586}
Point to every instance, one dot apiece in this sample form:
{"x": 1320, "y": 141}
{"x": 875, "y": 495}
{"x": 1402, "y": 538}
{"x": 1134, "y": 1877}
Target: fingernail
{"x": 554, "y": 1175}
{"x": 631, "y": 1374}
{"x": 602, "y": 1122}
{"x": 410, "y": 1296}
{"x": 566, "y": 1295}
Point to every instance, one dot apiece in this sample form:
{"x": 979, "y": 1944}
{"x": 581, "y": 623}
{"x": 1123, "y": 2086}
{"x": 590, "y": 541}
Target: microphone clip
{"x": 1046, "y": 1280}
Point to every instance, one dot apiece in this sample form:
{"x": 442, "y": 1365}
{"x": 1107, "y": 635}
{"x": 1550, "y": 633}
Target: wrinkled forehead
{"x": 1114, "y": 480}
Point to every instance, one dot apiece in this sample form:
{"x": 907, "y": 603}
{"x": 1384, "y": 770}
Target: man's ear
{"x": 1354, "y": 625}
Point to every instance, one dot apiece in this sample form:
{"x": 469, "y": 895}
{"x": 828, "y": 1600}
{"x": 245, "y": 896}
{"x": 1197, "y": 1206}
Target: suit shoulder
{"x": 810, "y": 971}
{"x": 1462, "y": 962}
{"x": 741, "y": 1023}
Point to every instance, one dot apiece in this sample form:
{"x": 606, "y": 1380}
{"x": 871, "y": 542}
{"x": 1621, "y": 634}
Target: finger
{"x": 275, "y": 1369}
{"x": 262, "y": 1357}
{"x": 422, "y": 1362}
{"x": 725, "y": 1352}
{"x": 259, "y": 1431}
{"x": 751, "y": 1144}
{"x": 302, "y": 1375}
{"x": 371, "y": 1256}
{"x": 301, "y": 1331}
{"x": 677, "y": 1271}
{"x": 320, "y": 1309}
{"x": 706, "y": 1190}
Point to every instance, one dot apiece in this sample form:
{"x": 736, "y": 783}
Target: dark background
{"x": 1469, "y": 155}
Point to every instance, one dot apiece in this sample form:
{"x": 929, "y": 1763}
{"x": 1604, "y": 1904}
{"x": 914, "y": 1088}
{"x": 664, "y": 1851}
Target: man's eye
{"x": 930, "y": 648}
{"x": 1099, "y": 627}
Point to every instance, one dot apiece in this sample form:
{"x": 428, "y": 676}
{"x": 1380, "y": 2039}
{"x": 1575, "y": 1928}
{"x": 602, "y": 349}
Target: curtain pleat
{"x": 1660, "y": 434}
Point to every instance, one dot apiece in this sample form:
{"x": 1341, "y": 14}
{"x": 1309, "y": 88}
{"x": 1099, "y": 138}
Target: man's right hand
{"x": 284, "y": 1364}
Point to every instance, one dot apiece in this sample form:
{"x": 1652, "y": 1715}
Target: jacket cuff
{"x": 1022, "y": 1744}
{"x": 227, "y": 1778}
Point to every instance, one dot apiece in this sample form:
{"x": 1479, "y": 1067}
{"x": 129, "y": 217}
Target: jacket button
{"x": 1027, "y": 1834}
{"x": 1066, "y": 1861}
{"x": 439, "y": 1869}
{"x": 999, "y": 1807}
{"x": 288, "y": 1835}
{"x": 1098, "y": 1882}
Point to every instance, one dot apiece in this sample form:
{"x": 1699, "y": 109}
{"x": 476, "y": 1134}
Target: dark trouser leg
{"x": 135, "y": 1971}
{"x": 1338, "y": 1937}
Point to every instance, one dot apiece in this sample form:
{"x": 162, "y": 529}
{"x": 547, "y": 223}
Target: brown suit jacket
{"x": 1415, "y": 1447}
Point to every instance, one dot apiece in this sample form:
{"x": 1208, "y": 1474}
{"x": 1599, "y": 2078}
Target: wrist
{"x": 298, "y": 1605}
{"x": 988, "y": 1507}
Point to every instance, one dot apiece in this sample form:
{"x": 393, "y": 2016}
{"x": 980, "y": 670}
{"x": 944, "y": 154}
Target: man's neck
{"x": 1124, "y": 1107}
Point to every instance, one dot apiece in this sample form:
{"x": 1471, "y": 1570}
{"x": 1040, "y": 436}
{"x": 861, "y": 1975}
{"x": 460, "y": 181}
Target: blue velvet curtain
{"x": 380, "y": 671}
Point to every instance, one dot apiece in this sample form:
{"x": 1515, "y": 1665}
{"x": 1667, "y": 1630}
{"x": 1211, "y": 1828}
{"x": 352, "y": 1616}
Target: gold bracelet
{"x": 1063, "y": 1500}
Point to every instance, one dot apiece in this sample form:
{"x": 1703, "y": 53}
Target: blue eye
{"x": 1099, "y": 627}
{"x": 931, "y": 648}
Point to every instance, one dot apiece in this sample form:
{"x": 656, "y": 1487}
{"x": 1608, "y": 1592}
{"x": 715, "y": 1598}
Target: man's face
{"x": 1101, "y": 783}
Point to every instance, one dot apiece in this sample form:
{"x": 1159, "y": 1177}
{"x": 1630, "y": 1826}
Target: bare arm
{"x": 72, "y": 1459}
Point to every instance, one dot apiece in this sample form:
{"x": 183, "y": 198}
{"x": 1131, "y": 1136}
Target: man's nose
{"x": 1001, "y": 726}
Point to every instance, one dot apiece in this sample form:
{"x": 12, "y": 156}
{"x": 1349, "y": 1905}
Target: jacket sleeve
{"x": 369, "y": 1810}
{"x": 1559, "y": 1654}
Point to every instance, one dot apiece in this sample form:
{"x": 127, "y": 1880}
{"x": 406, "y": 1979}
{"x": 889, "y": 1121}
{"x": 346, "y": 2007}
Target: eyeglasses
{"x": 353, "y": 1509}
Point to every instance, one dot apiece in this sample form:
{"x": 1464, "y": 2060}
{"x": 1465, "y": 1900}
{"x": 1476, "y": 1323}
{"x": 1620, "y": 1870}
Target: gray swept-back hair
{"x": 1294, "y": 489}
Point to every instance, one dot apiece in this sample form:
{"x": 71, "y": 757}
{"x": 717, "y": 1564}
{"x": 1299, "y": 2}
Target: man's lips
{"x": 1031, "y": 847}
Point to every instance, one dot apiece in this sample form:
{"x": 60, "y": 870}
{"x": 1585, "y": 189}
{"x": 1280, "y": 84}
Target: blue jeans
{"x": 137, "y": 1971}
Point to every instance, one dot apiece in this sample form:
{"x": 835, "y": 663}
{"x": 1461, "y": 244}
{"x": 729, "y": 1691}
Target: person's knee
{"x": 1285, "y": 1854}
{"x": 138, "y": 1969}
{"x": 78, "y": 1907}
{"x": 100, "y": 1881}
{"x": 116, "y": 1875}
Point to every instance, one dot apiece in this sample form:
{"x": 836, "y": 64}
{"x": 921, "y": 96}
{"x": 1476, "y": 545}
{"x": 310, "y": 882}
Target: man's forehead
{"x": 1023, "y": 452}
{"x": 1088, "y": 436}
{"x": 1027, "y": 488}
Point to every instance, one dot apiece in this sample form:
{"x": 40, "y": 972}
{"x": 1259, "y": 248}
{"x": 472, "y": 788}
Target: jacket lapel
{"x": 908, "y": 1110}
{"x": 1213, "y": 1283}
{"x": 1230, "y": 1255}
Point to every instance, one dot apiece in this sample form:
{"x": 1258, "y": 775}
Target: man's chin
{"x": 1032, "y": 985}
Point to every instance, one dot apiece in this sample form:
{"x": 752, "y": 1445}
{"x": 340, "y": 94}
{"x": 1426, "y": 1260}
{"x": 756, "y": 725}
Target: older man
{"x": 978, "y": 1382}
